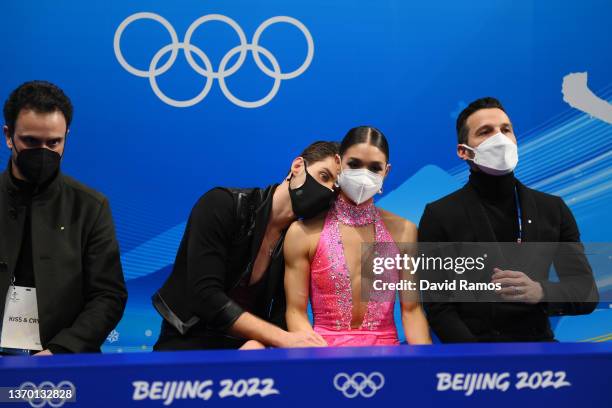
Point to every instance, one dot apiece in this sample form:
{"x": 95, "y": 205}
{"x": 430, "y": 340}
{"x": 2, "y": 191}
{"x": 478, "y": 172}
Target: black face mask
{"x": 311, "y": 198}
{"x": 38, "y": 165}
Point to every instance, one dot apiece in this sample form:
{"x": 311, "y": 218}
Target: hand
{"x": 516, "y": 286}
{"x": 43, "y": 353}
{"x": 304, "y": 339}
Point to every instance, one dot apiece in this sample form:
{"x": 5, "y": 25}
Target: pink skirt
{"x": 358, "y": 337}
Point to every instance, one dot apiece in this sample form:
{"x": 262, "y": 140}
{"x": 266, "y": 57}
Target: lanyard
{"x": 519, "y": 239}
{"x": 14, "y": 294}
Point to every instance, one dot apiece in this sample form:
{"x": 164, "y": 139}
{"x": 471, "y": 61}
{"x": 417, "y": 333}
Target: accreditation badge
{"x": 20, "y": 324}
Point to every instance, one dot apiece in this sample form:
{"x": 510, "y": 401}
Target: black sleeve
{"x": 104, "y": 290}
{"x": 576, "y": 292}
{"x": 57, "y": 349}
{"x": 442, "y": 316}
{"x": 212, "y": 224}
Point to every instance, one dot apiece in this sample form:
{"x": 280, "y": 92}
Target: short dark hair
{"x": 39, "y": 96}
{"x": 319, "y": 150}
{"x": 365, "y": 134}
{"x": 481, "y": 103}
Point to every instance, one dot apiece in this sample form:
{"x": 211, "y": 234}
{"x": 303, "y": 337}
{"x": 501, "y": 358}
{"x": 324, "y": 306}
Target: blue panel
{"x": 405, "y": 67}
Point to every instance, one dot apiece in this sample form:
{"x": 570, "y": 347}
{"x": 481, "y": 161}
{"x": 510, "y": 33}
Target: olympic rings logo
{"x": 47, "y": 393}
{"x": 359, "y": 384}
{"x": 207, "y": 70}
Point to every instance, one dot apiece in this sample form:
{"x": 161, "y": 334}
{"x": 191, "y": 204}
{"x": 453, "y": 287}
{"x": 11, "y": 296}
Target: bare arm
{"x": 252, "y": 327}
{"x": 297, "y": 278}
{"x": 414, "y": 321}
{"x": 415, "y": 324}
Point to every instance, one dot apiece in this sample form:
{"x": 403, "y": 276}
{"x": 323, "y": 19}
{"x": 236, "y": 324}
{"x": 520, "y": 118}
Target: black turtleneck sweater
{"x": 498, "y": 200}
{"x": 24, "y": 270}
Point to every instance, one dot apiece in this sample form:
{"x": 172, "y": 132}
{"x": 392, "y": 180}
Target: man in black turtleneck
{"x": 61, "y": 284}
{"x": 495, "y": 207}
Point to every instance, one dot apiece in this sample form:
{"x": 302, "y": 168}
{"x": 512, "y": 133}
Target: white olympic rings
{"x": 207, "y": 70}
{"x": 359, "y": 384}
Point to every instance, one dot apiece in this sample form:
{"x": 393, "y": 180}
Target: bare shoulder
{"x": 401, "y": 229}
{"x": 305, "y": 234}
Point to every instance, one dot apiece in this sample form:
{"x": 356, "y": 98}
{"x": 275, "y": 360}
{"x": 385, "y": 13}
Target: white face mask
{"x": 359, "y": 184}
{"x": 496, "y": 156}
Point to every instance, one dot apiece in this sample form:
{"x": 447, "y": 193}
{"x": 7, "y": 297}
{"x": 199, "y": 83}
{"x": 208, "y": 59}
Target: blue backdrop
{"x": 407, "y": 68}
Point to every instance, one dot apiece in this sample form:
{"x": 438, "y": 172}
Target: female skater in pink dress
{"x": 323, "y": 257}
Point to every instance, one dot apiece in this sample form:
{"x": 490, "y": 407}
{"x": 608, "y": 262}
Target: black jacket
{"x": 460, "y": 217}
{"x": 80, "y": 288}
{"x": 220, "y": 244}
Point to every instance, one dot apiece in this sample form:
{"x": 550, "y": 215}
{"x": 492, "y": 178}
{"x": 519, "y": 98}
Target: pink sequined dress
{"x": 330, "y": 285}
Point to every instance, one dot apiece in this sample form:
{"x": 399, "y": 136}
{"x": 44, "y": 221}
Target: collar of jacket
{"x": 253, "y": 211}
{"x": 8, "y": 186}
{"x": 262, "y": 217}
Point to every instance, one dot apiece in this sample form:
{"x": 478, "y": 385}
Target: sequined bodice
{"x": 330, "y": 282}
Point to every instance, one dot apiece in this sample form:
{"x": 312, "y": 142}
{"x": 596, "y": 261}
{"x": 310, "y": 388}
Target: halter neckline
{"x": 355, "y": 215}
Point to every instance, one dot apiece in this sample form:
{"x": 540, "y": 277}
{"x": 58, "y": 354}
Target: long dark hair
{"x": 365, "y": 134}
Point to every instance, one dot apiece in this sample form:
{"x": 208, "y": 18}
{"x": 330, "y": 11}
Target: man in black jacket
{"x": 59, "y": 260}
{"x": 495, "y": 207}
{"x": 226, "y": 288}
